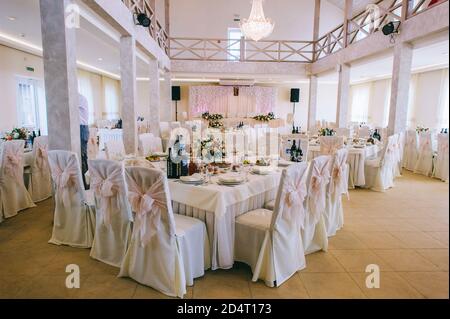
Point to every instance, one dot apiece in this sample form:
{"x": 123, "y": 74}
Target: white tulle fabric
{"x": 314, "y": 233}
{"x": 92, "y": 147}
{"x": 113, "y": 212}
{"x": 338, "y": 186}
{"x": 442, "y": 162}
{"x": 74, "y": 219}
{"x": 14, "y": 197}
{"x": 145, "y": 144}
{"x": 410, "y": 151}
{"x": 330, "y": 144}
{"x": 40, "y": 185}
{"x": 115, "y": 149}
{"x": 162, "y": 255}
{"x": 424, "y": 164}
{"x": 269, "y": 241}
{"x": 380, "y": 172}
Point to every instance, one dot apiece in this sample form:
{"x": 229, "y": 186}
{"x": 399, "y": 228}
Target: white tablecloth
{"x": 106, "y": 135}
{"x": 218, "y": 206}
{"x": 356, "y": 160}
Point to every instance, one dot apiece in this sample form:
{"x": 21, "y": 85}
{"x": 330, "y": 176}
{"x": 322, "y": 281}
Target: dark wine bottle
{"x": 293, "y": 151}
{"x": 170, "y": 173}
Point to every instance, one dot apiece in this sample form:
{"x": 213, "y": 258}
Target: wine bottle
{"x": 169, "y": 165}
{"x": 293, "y": 151}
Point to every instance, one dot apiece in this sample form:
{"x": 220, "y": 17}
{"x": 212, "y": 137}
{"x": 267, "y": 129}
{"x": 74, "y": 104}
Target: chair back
{"x": 330, "y": 144}
{"x": 115, "y": 149}
{"x": 338, "y": 180}
{"x": 40, "y": 153}
{"x": 145, "y": 144}
{"x": 12, "y": 160}
{"x": 318, "y": 179}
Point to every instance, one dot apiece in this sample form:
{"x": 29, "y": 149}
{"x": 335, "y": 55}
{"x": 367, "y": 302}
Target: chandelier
{"x": 257, "y": 26}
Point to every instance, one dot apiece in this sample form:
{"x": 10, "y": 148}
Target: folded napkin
{"x": 262, "y": 170}
{"x": 231, "y": 178}
{"x": 193, "y": 178}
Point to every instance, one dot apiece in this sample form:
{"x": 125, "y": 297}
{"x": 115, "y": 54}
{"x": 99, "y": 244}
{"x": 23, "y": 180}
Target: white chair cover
{"x": 40, "y": 185}
{"x": 411, "y": 150}
{"x": 401, "y": 145}
{"x": 330, "y": 144}
{"x": 115, "y": 150}
{"x": 145, "y": 144}
{"x": 74, "y": 218}
{"x": 14, "y": 197}
{"x": 113, "y": 212}
{"x": 93, "y": 148}
{"x": 314, "y": 233}
{"x": 165, "y": 129}
{"x": 364, "y": 131}
{"x": 162, "y": 254}
{"x": 397, "y": 156}
{"x": 343, "y": 132}
{"x": 379, "y": 172}
{"x": 424, "y": 164}
{"x": 269, "y": 241}
{"x": 441, "y": 165}
{"x": 157, "y": 146}
{"x": 334, "y": 213}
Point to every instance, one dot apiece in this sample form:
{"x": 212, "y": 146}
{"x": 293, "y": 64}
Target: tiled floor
{"x": 404, "y": 231}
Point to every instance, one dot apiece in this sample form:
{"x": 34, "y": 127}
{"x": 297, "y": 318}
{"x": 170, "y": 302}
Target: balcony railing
{"x": 155, "y": 30}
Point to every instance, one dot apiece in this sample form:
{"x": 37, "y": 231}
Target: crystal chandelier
{"x": 257, "y": 26}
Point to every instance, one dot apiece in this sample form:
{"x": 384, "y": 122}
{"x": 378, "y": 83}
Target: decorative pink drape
{"x": 251, "y": 101}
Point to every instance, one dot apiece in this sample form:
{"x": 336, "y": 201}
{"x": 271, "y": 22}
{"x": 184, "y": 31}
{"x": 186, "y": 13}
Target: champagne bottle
{"x": 293, "y": 151}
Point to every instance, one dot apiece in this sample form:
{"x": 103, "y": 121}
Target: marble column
{"x": 60, "y": 75}
{"x": 128, "y": 87}
{"x": 312, "y": 106}
{"x": 154, "y": 87}
{"x": 166, "y": 109}
{"x": 343, "y": 96}
{"x": 401, "y": 76}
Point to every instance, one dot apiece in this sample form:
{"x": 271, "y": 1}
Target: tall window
{"x": 234, "y": 44}
{"x": 360, "y": 102}
{"x": 27, "y": 110}
{"x": 444, "y": 100}
{"x": 85, "y": 89}
{"x": 111, "y": 97}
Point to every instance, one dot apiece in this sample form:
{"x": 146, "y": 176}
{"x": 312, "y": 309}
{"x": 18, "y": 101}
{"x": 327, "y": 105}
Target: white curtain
{"x": 360, "y": 102}
{"x": 412, "y": 99}
{"x": 111, "y": 91}
{"x": 443, "y": 100}
{"x": 387, "y": 105}
{"x": 85, "y": 89}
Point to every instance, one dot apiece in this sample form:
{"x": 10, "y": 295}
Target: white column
{"x": 128, "y": 86}
{"x": 401, "y": 76}
{"x": 166, "y": 109}
{"x": 343, "y": 96}
{"x": 312, "y": 106}
{"x": 60, "y": 74}
{"x": 154, "y": 87}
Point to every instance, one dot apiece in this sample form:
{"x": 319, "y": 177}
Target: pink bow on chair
{"x": 42, "y": 157}
{"x": 295, "y": 196}
{"x": 106, "y": 189}
{"x": 319, "y": 180}
{"x": 64, "y": 181}
{"x": 339, "y": 180}
{"x": 13, "y": 164}
{"x": 147, "y": 207}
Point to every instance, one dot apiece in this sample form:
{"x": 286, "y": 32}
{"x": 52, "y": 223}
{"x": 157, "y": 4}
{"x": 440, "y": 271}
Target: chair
{"x": 330, "y": 144}
{"x": 338, "y": 186}
{"x": 145, "y": 144}
{"x": 424, "y": 164}
{"x": 174, "y": 125}
{"x": 40, "y": 185}
{"x": 364, "y": 131}
{"x": 113, "y": 212}
{"x": 115, "y": 149}
{"x": 268, "y": 240}
{"x": 14, "y": 196}
{"x": 74, "y": 217}
{"x": 379, "y": 172}
{"x": 397, "y": 156}
{"x": 401, "y": 146}
{"x": 410, "y": 151}
{"x": 93, "y": 147}
{"x": 166, "y": 251}
{"x": 165, "y": 129}
{"x": 441, "y": 164}
{"x": 314, "y": 233}
{"x": 345, "y": 132}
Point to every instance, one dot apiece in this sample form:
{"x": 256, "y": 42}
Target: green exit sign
{"x": 29, "y": 68}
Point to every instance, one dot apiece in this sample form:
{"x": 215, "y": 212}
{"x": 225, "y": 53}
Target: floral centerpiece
{"x": 265, "y": 118}
{"x": 422, "y": 129}
{"x": 211, "y": 149}
{"x": 17, "y": 134}
{"x": 327, "y": 132}
{"x": 215, "y": 124}
{"x": 213, "y": 119}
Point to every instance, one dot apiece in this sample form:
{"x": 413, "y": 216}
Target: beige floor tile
{"x": 11, "y": 285}
{"x": 412, "y": 239}
{"x": 379, "y": 240}
{"x": 442, "y": 236}
{"x": 46, "y": 287}
{"x": 430, "y": 284}
{"x": 358, "y": 260}
{"x": 345, "y": 240}
{"x": 405, "y": 260}
{"x": 322, "y": 262}
{"x": 293, "y": 288}
{"x": 105, "y": 286}
{"x": 392, "y": 286}
{"x": 331, "y": 285}
{"x": 439, "y": 257}
{"x": 428, "y": 224}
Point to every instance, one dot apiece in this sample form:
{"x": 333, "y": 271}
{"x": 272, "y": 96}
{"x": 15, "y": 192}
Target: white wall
{"x": 13, "y": 63}
{"x": 211, "y": 19}
{"x": 327, "y": 101}
{"x": 330, "y": 17}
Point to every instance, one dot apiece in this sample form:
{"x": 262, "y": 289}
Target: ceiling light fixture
{"x": 257, "y": 26}
{"x": 11, "y": 18}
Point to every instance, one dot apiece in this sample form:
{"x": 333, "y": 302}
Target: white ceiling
{"x": 358, "y": 5}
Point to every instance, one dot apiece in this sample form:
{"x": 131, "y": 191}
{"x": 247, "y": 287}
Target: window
{"x": 111, "y": 96}
{"x": 85, "y": 89}
{"x": 234, "y": 44}
{"x": 27, "y": 104}
{"x": 360, "y": 103}
{"x": 444, "y": 100}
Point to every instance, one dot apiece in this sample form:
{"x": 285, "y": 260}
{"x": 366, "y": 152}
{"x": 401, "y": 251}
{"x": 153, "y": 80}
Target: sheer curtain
{"x": 387, "y": 104}
{"x": 412, "y": 101}
{"x": 111, "y": 96}
{"x": 444, "y": 100}
{"x": 360, "y": 102}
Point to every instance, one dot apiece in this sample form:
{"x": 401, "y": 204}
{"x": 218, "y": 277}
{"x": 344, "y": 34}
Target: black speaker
{"x": 295, "y": 95}
{"x": 176, "y": 93}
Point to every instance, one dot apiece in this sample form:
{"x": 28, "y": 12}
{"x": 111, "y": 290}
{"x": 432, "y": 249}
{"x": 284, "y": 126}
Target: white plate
{"x": 284, "y": 163}
{"x": 192, "y": 179}
{"x": 231, "y": 179}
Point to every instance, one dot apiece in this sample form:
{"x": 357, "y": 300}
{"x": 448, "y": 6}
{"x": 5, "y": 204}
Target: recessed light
{"x": 100, "y": 59}
{"x": 11, "y": 18}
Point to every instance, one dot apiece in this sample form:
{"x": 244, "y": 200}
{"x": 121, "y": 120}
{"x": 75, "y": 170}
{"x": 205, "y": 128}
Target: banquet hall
{"x": 212, "y": 149}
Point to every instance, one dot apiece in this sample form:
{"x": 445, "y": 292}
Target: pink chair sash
{"x": 42, "y": 156}
{"x": 296, "y": 192}
{"x": 106, "y": 190}
{"x": 339, "y": 183}
{"x": 13, "y": 163}
{"x": 65, "y": 180}
{"x": 319, "y": 179}
{"x": 147, "y": 206}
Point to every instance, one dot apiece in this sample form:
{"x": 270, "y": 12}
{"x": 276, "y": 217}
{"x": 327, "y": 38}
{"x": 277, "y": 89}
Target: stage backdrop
{"x": 250, "y": 101}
